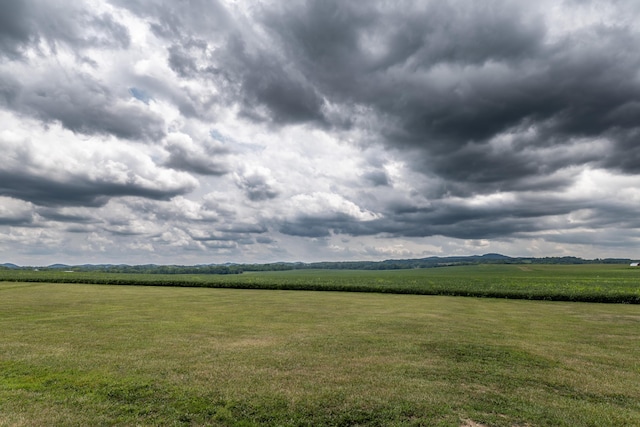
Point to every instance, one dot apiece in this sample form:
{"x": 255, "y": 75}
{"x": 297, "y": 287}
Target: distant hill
{"x": 9, "y": 265}
{"x": 494, "y": 256}
{"x": 58, "y": 266}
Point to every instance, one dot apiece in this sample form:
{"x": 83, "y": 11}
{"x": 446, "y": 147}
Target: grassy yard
{"x": 74, "y": 354}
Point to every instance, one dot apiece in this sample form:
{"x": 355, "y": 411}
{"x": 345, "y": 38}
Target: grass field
{"x": 74, "y": 354}
{"x": 587, "y": 283}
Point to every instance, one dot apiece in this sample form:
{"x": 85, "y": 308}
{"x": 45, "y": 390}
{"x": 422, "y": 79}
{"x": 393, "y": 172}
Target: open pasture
{"x": 612, "y": 283}
{"x": 75, "y": 354}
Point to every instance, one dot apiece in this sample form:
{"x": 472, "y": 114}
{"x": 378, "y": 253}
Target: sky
{"x": 211, "y": 131}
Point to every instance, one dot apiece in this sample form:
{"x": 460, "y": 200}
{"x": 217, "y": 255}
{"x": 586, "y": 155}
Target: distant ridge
{"x": 390, "y": 264}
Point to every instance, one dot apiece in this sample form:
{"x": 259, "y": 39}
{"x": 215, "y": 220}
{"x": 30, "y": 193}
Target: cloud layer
{"x": 213, "y": 131}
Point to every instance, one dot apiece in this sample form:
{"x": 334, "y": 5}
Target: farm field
{"x": 613, "y": 283}
{"x": 77, "y": 354}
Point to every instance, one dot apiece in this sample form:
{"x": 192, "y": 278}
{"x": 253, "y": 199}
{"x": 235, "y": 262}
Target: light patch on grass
{"x": 252, "y": 342}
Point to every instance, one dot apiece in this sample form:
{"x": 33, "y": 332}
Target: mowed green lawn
{"x": 74, "y": 354}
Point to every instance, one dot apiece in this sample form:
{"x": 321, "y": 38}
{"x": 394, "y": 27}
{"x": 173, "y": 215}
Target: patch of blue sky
{"x": 140, "y": 95}
{"x": 215, "y": 134}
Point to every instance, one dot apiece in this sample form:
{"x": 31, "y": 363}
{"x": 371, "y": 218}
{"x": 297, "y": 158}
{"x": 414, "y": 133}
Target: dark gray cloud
{"x": 59, "y": 215}
{"x": 324, "y": 226}
{"x": 463, "y": 219}
{"x": 20, "y": 218}
{"x": 202, "y": 159}
{"x": 57, "y": 173}
{"x": 78, "y": 191}
{"x": 182, "y": 160}
{"x": 445, "y": 80}
{"x": 15, "y": 29}
{"x": 259, "y": 78}
{"x": 377, "y": 178}
{"x": 81, "y": 105}
{"x": 244, "y": 228}
{"x": 26, "y": 23}
{"x": 265, "y": 240}
{"x": 257, "y": 185}
{"x": 448, "y": 78}
{"x": 75, "y": 99}
{"x": 266, "y": 82}
{"x": 266, "y": 87}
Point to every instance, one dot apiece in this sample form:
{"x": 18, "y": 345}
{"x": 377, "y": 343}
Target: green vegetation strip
{"x": 73, "y": 354}
{"x": 588, "y": 283}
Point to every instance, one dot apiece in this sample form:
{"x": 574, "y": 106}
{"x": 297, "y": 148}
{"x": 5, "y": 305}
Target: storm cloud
{"x": 480, "y": 91}
{"x": 214, "y": 131}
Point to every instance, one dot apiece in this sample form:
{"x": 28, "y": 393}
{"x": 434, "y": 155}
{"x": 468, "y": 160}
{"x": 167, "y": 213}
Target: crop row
{"x": 604, "y": 284}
